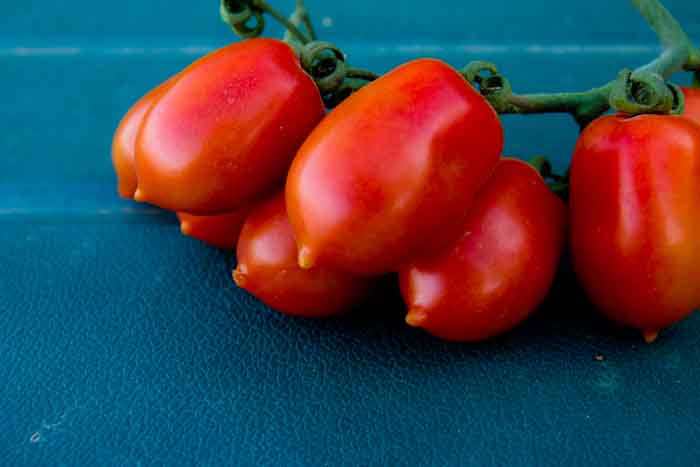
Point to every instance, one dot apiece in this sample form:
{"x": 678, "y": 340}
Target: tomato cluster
{"x": 406, "y": 177}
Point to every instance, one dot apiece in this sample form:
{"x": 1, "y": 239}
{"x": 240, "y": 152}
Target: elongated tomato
{"x": 124, "y": 141}
{"x": 267, "y": 268}
{"x": 501, "y": 268}
{"x": 392, "y": 171}
{"x": 635, "y": 229}
{"x": 226, "y": 132}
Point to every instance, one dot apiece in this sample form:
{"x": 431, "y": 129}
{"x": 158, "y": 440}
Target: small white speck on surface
{"x": 35, "y": 438}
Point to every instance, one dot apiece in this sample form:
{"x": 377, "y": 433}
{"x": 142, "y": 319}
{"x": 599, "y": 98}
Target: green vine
{"x": 643, "y": 90}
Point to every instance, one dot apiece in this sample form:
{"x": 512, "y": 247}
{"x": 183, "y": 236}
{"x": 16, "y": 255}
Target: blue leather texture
{"x": 124, "y": 343}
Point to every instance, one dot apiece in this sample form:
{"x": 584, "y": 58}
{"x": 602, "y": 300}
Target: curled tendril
{"x": 325, "y": 63}
{"x": 474, "y": 71}
{"x": 239, "y": 13}
{"x": 486, "y": 78}
{"x": 644, "y": 92}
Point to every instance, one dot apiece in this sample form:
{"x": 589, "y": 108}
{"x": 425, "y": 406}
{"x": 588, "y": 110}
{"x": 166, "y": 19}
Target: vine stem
{"x": 678, "y": 53}
{"x": 300, "y": 17}
{"x": 288, "y": 24}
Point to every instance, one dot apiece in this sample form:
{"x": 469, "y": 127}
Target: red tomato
{"x": 125, "y": 140}
{"x": 500, "y": 270}
{"x": 221, "y": 231}
{"x": 226, "y": 132}
{"x": 267, "y": 268}
{"x": 635, "y": 229}
{"x": 391, "y": 172}
{"x": 692, "y": 104}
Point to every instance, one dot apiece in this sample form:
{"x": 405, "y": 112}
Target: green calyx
{"x": 326, "y": 64}
{"x": 645, "y": 92}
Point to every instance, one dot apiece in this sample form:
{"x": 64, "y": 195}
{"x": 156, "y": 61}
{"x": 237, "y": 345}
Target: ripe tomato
{"x": 692, "y": 104}
{"x": 635, "y": 229}
{"x": 502, "y": 267}
{"x": 267, "y": 268}
{"x": 124, "y": 141}
{"x": 391, "y": 172}
{"x": 221, "y": 231}
{"x": 227, "y": 130}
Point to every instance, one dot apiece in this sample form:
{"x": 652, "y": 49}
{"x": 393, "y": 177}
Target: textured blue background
{"x": 123, "y": 343}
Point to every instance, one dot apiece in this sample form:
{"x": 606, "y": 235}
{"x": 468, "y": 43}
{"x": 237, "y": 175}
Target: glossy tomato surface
{"x": 226, "y": 132}
{"x": 500, "y": 269}
{"x": 124, "y": 141}
{"x": 267, "y": 268}
{"x": 392, "y": 171}
{"x": 221, "y": 231}
{"x": 635, "y": 228}
{"x": 692, "y": 104}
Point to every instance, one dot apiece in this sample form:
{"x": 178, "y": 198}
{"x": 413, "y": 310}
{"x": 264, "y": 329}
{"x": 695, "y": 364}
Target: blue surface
{"x": 123, "y": 343}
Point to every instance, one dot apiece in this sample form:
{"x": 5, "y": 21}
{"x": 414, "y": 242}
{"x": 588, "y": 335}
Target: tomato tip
{"x": 650, "y": 336}
{"x": 185, "y": 228}
{"x": 416, "y": 318}
{"x": 306, "y": 259}
{"x": 239, "y": 278}
{"x": 139, "y": 195}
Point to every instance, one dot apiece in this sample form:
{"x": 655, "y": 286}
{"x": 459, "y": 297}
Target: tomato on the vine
{"x": 221, "y": 231}
{"x": 501, "y": 268}
{"x": 391, "y": 172}
{"x": 635, "y": 228}
{"x": 124, "y": 141}
{"x": 227, "y": 130}
{"x": 692, "y": 104}
{"x": 267, "y": 268}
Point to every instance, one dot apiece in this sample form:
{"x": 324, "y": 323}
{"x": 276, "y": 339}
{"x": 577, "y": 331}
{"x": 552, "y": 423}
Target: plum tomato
{"x": 225, "y": 133}
{"x": 501, "y": 268}
{"x": 267, "y": 268}
{"x": 392, "y": 170}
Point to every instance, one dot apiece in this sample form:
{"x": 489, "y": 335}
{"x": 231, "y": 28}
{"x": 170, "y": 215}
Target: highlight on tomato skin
{"x": 124, "y": 141}
{"x": 635, "y": 229}
{"x": 501, "y": 268}
{"x": 221, "y": 231}
{"x": 226, "y": 132}
{"x": 267, "y": 268}
{"x": 392, "y": 170}
{"x": 692, "y": 104}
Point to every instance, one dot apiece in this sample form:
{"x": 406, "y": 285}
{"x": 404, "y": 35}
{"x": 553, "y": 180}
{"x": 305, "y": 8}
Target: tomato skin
{"x": 635, "y": 232}
{"x": 392, "y": 170}
{"x": 221, "y": 231}
{"x": 502, "y": 267}
{"x": 124, "y": 141}
{"x": 267, "y": 268}
{"x": 226, "y": 132}
{"x": 692, "y": 104}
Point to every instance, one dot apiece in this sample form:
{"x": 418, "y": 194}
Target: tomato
{"x": 501, "y": 268}
{"x": 124, "y": 141}
{"x": 692, "y": 104}
{"x": 635, "y": 229}
{"x": 221, "y": 231}
{"x": 227, "y": 130}
{"x": 267, "y": 268}
{"x": 391, "y": 171}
